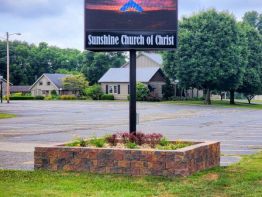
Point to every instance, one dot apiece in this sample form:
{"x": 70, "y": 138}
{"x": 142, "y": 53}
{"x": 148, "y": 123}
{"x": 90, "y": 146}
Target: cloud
{"x": 33, "y": 8}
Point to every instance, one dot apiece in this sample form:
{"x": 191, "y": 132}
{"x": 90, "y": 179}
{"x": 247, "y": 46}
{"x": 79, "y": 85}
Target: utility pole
{"x": 8, "y": 65}
{"x": 7, "y": 69}
{"x": 1, "y": 92}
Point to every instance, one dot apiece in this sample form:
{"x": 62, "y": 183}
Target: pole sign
{"x": 130, "y": 25}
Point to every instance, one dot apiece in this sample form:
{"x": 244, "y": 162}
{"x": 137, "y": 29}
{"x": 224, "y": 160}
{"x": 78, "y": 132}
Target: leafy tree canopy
{"x": 29, "y": 61}
{"x": 254, "y": 19}
{"x": 75, "y": 82}
{"x": 210, "y": 51}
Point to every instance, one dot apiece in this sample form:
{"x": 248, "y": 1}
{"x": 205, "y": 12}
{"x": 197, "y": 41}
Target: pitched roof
{"x": 4, "y": 80}
{"x": 153, "y": 56}
{"x": 121, "y": 75}
{"x": 56, "y": 79}
{"x": 20, "y": 88}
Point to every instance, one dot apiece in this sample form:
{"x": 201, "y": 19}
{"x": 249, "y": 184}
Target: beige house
{"x": 45, "y": 84}
{"x": 116, "y": 81}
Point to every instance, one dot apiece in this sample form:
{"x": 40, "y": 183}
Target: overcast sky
{"x": 60, "y": 22}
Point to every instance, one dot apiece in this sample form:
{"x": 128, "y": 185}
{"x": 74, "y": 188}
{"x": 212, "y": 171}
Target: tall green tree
{"x": 208, "y": 55}
{"x": 252, "y": 82}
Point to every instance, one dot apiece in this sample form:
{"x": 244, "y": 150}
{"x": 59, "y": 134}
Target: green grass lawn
{"x": 242, "y": 179}
{"x": 218, "y": 104}
{"x": 4, "y": 116}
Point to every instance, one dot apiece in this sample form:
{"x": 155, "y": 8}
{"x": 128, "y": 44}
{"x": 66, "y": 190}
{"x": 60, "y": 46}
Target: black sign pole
{"x": 1, "y": 91}
{"x": 132, "y": 86}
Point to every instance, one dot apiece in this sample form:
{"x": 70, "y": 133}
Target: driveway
{"x": 51, "y": 122}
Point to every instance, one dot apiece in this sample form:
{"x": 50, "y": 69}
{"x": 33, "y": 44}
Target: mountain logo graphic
{"x": 131, "y": 5}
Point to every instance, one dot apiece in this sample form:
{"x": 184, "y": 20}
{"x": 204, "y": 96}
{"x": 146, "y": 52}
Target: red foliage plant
{"x": 124, "y": 137}
{"x": 153, "y": 139}
{"x": 140, "y": 139}
{"x": 132, "y": 138}
{"x": 112, "y": 139}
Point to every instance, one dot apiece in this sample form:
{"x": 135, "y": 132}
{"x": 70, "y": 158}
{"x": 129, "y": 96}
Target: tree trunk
{"x": 208, "y": 97}
{"x": 232, "y": 97}
{"x": 185, "y": 93}
{"x": 197, "y": 93}
{"x": 249, "y": 98}
{"x": 249, "y": 101}
{"x": 221, "y": 96}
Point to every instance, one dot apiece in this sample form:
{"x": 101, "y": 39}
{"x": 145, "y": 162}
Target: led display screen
{"x": 130, "y": 24}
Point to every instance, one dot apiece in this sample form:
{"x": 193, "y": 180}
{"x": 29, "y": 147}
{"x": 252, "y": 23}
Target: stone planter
{"x": 181, "y": 162}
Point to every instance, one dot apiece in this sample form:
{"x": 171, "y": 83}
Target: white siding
{"x": 144, "y": 62}
{"x": 37, "y": 89}
{"x": 123, "y": 90}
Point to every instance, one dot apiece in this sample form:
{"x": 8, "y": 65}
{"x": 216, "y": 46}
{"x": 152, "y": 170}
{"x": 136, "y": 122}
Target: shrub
{"x": 68, "y": 97}
{"x": 153, "y": 99}
{"x": 140, "y": 139}
{"x": 107, "y": 97}
{"x": 163, "y": 142}
{"x": 97, "y": 142}
{"x": 78, "y": 142}
{"x": 48, "y": 98}
{"x": 53, "y": 93}
{"x": 95, "y": 92}
{"x": 132, "y": 138}
{"x": 142, "y": 92}
{"x": 124, "y": 137}
{"x": 82, "y": 142}
{"x": 153, "y": 139}
{"x": 131, "y": 145}
{"x": 21, "y": 98}
{"x": 172, "y": 146}
{"x": 112, "y": 140}
{"x": 39, "y": 97}
{"x": 17, "y": 94}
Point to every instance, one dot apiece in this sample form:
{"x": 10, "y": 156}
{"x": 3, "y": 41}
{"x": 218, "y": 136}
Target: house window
{"x": 110, "y": 89}
{"x": 114, "y": 89}
{"x": 48, "y": 83}
{"x": 40, "y": 83}
{"x": 45, "y": 92}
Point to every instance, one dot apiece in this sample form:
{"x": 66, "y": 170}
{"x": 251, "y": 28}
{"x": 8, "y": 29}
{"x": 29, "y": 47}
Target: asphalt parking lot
{"x": 52, "y": 122}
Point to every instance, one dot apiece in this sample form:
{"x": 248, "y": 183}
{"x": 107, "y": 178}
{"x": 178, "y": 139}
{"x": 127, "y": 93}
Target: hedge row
{"x": 26, "y": 98}
{"x": 62, "y": 97}
{"x": 108, "y": 97}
